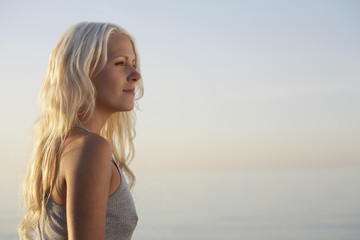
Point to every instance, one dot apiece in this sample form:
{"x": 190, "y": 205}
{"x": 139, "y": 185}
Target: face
{"x": 115, "y": 83}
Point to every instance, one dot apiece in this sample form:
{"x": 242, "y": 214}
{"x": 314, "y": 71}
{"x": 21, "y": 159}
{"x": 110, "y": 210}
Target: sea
{"x": 250, "y": 203}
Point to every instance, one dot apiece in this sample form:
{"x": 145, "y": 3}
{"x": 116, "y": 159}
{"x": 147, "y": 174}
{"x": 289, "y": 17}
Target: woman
{"x": 75, "y": 187}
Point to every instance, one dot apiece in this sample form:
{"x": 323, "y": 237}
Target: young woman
{"x": 75, "y": 186}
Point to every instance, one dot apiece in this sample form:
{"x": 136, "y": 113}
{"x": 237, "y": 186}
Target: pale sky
{"x": 227, "y": 83}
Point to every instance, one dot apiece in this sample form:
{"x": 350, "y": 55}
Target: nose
{"x": 135, "y": 76}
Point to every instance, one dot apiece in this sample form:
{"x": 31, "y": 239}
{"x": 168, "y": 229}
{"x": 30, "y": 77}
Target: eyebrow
{"x": 126, "y": 57}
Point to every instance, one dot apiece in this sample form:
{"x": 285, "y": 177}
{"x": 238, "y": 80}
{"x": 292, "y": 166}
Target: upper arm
{"x": 88, "y": 177}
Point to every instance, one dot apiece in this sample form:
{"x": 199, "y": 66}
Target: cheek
{"x": 105, "y": 83}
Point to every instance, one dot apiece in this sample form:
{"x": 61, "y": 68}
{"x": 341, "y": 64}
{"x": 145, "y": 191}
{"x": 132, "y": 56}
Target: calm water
{"x": 256, "y": 204}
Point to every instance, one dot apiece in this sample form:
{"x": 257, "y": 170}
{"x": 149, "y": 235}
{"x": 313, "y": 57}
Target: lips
{"x": 130, "y": 91}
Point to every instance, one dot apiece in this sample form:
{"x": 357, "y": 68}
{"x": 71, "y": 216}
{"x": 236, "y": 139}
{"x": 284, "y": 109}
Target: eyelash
{"x": 119, "y": 63}
{"x": 123, "y": 63}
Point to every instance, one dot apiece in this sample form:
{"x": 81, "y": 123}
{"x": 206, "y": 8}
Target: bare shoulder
{"x": 86, "y": 153}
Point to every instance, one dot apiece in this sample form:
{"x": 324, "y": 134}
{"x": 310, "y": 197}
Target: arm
{"x": 88, "y": 177}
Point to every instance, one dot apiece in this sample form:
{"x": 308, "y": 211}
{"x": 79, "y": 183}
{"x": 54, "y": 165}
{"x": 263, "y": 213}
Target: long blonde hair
{"x": 67, "y": 97}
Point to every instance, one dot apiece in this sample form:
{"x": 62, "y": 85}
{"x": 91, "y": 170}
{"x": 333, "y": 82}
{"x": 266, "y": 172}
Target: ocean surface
{"x": 245, "y": 203}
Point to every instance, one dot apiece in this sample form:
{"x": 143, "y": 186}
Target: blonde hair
{"x": 67, "y": 97}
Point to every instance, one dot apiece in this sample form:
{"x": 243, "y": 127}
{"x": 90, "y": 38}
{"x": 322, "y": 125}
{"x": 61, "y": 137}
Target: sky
{"x": 227, "y": 83}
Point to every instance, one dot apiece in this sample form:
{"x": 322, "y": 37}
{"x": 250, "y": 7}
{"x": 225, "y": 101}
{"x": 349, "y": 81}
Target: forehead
{"x": 120, "y": 45}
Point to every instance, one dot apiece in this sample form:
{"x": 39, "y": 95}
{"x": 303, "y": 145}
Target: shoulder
{"x": 92, "y": 144}
{"x": 86, "y": 154}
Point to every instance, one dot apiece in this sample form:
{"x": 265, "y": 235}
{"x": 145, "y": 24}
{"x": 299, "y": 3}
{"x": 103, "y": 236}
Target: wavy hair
{"x": 67, "y": 97}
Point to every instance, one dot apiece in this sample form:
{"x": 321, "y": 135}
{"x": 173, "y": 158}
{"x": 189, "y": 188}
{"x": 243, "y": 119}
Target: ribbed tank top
{"x": 121, "y": 217}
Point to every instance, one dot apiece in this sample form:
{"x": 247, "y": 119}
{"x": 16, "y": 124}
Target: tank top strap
{"x": 117, "y": 166}
{"x": 83, "y": 128}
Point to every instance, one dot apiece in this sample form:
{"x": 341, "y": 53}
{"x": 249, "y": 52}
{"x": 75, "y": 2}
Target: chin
{"x": 127, "y": 108}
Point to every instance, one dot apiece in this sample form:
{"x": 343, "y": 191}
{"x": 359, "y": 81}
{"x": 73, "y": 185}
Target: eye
{"x": 120, "y": 63}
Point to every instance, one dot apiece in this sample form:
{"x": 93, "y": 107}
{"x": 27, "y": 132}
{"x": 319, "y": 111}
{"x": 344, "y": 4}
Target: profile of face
{"x": 115, "y": 83}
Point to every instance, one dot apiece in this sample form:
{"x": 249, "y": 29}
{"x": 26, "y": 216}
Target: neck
{"x": 97, "y": 121}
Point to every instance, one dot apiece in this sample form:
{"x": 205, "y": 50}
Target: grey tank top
{"x": 121, "y": 217}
